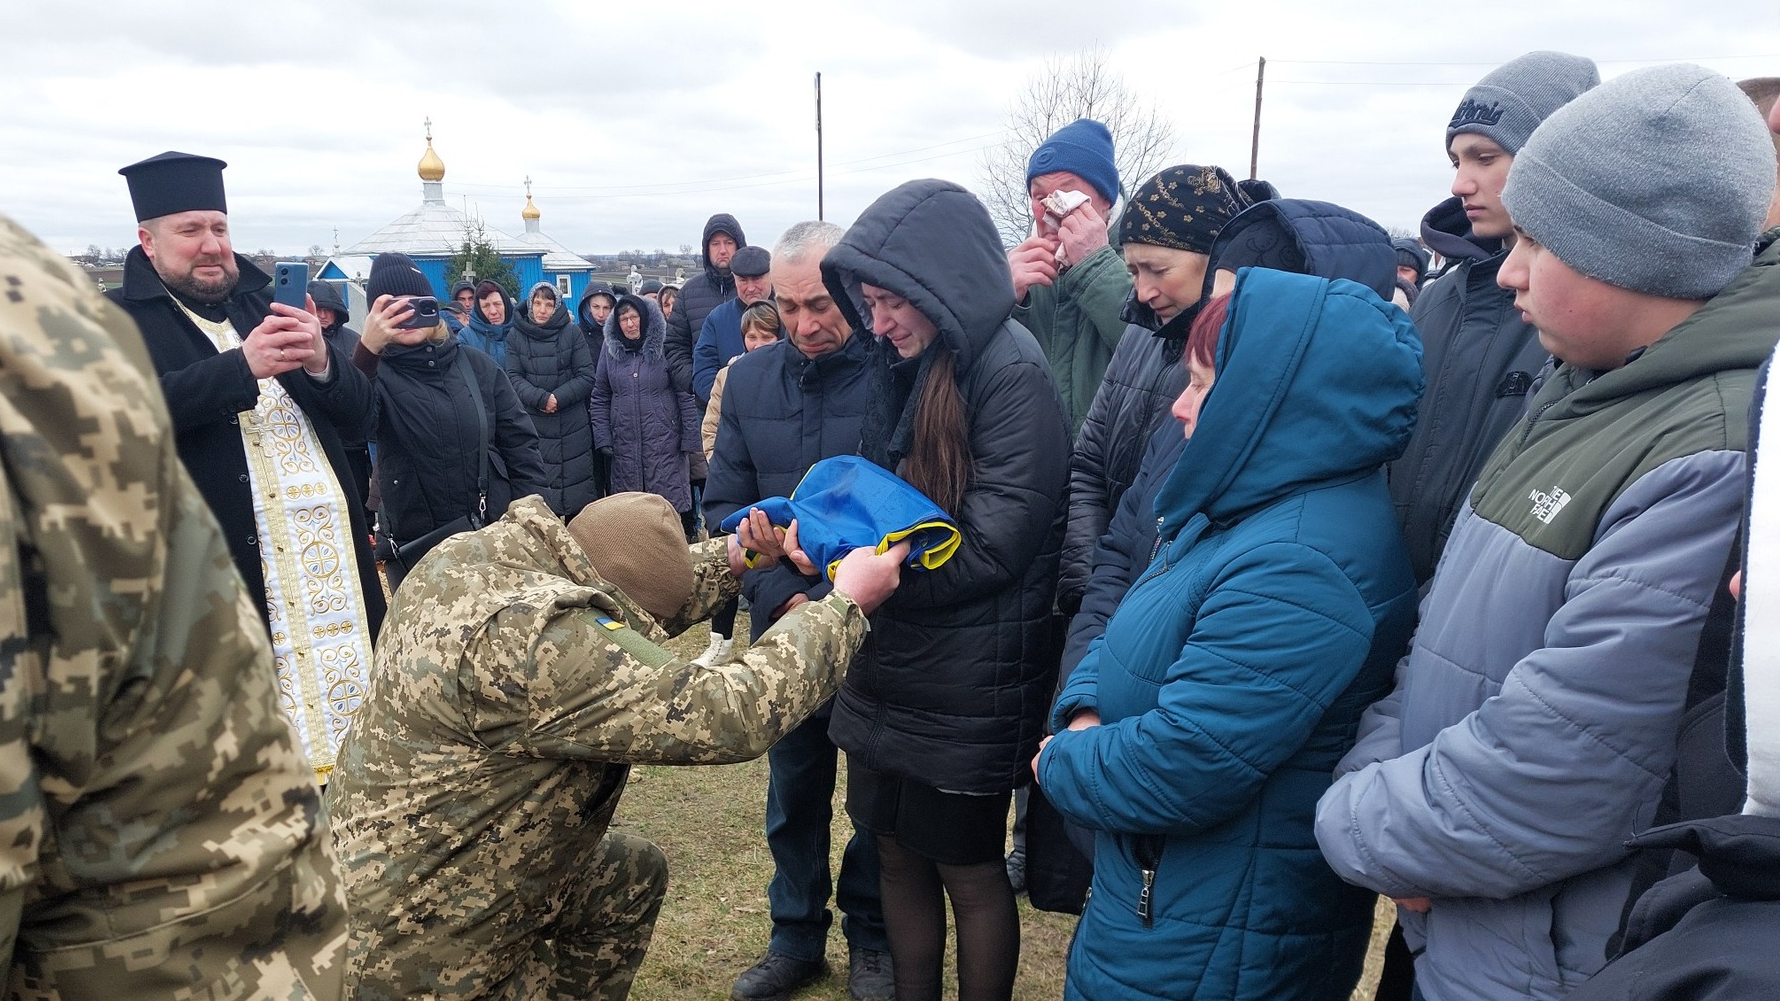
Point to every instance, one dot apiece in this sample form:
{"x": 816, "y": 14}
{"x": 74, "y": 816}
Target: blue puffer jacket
{"x": 1232, "y": 678}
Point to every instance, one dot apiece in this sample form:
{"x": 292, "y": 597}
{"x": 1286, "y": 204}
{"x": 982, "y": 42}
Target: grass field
{"x": 714, "y": 923}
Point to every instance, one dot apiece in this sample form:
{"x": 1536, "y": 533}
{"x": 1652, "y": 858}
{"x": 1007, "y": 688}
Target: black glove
{"x": 606, "y": 452}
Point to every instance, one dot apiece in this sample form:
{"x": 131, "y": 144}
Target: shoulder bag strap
{"x": 469, "y": 376}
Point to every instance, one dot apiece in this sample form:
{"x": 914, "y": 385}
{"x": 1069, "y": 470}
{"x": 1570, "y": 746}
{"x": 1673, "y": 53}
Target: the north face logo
{"x": 1547, "y": 505}
{"x": 1474, "y": 113}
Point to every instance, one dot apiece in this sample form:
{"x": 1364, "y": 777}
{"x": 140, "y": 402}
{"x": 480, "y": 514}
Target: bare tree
{"x": 1082, "y": 85}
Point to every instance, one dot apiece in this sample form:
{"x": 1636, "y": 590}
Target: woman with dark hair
{"x": 487, "y": 326}
{"x": 944, "y": 705}
{"x": 552, "y": 372}
{"x": 1198, "y": 732}
{"x": 642, "y": 425}
{"x": 432, "y": 436}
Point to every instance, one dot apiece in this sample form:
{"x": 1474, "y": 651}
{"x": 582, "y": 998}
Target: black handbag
{"x": 404, "y": 555}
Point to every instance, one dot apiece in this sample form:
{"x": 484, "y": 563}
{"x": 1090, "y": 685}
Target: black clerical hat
{"x": 175, "y": 182}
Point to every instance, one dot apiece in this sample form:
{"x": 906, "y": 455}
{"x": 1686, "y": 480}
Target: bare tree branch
{"x": 1082, "y": 85}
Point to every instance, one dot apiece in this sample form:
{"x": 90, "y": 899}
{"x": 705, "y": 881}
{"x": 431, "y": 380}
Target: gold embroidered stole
{"x": 321, "y": 641}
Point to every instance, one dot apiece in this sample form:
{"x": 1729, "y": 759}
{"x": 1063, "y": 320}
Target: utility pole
{"x": 819, "y": 147}
{"x": 1254, "y": 149}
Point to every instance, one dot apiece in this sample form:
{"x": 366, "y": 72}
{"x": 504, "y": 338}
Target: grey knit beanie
{"x": 1511, "y": 101}
{"x": 1656, "y": 181}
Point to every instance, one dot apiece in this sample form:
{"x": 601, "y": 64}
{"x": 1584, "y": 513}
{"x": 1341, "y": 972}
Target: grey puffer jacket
{"x": 552, "y": 359}
{"x": 649, "y": 425}
{"x": 1481, "y": 361}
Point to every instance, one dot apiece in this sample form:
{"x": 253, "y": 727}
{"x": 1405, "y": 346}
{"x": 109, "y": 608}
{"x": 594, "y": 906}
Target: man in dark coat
{"x": 720, "y": 337}
{"x": 702, "y": 293}
{"x": 784, "y": 408}
{"x": 261, "y": 403}
{"x": 332, "y": 312}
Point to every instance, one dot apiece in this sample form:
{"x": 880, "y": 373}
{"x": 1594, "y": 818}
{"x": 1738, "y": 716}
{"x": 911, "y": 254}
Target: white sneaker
{"x": 717, "y": 652}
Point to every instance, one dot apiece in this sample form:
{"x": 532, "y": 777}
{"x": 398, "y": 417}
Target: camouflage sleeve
{"x": 598, "y": 690}
{"x": 712, "y": 585}
{"x": 21, "y": 805}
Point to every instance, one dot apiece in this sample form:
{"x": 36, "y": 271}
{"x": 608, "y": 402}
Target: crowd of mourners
{"x": 1297, "y": 567}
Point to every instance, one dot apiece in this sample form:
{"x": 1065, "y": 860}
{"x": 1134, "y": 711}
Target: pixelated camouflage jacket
{"x": 160, "y": 832}
{"x": 514, "y": 687}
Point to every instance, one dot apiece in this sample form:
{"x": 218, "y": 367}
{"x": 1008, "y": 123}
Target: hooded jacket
{"x": 1232, "y": 677}
{"x": 206, "y": 391}
{"x": 1535, "y": 718}
{"x": 702, "y": 293}
{"x": 952, "y": 684}
{"x": 552, "y": 359}
{"x": 1481, "y": 360}
{"x": 1308, "y": 237}
{"x": 428, "y": 449}
{"x": 782, "y": 412}
{"x": 649, "y": 425}
{"x": 488, "y": 338}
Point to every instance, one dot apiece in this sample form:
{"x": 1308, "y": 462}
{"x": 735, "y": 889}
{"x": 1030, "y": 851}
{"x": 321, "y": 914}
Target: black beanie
{"x": 1182, "y": 207}
{"x": 397, "y": 275}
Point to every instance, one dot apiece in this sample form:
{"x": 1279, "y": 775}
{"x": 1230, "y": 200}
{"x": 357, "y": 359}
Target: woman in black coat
{"x": 552, "y": 372}
{"x": 944, "y": 705}
{"x": 430, "y": 437}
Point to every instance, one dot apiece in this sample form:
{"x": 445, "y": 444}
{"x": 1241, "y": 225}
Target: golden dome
{"x": 531, "y": 211}
{"x": 431, "y": 167}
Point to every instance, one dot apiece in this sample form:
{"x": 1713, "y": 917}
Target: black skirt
{"x": 945, "y": 827}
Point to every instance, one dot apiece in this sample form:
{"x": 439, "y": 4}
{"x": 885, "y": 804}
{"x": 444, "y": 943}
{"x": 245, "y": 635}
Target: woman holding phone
{"x": 454, "y": 445}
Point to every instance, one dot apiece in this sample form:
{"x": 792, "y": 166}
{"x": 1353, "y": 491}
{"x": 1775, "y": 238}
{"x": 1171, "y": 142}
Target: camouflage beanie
{"x": 635, "y": 541}
{"x": 1183, "y": 207}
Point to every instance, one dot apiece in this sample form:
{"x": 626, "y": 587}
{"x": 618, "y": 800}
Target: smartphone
{"x": 290, "y": 284}
{"x": 425, "y": 315}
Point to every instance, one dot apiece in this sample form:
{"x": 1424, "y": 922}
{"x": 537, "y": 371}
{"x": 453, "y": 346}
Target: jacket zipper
{"x": 1146, "y": 851}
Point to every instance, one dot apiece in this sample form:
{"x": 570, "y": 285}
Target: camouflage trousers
{"x": 599, "y": 939}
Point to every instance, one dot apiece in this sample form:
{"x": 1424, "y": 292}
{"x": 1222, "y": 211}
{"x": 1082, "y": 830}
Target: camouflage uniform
{"x": 514, "y": 687}
{"x": 160, "y": 833}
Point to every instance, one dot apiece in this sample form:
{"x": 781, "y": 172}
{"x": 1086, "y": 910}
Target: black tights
{"x": 915, "y": 891}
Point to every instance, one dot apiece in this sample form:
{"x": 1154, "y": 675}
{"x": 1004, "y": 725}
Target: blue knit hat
{"x": 1084, "y": 148}
{"x": 1656, "y": 181}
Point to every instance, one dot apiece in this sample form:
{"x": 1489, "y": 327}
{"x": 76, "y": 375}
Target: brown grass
{"x": 715, "y": 921}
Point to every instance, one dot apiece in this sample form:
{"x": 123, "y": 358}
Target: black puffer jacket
{"x": 1480, "y": 360}
{"x": 952, "y": 685}
{"x": 428, "y": 450}
{"x": 552, "y": 359}
{"x": 781, "y": 413}
{"x": 701, "y": 294}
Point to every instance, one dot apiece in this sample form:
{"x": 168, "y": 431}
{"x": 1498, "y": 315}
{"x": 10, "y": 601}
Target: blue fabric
{"x": 799, "y": 815}
{"x": 719, "y": 340}
{"x": 846, "y": 502}
{"x": 1231, "y": 678}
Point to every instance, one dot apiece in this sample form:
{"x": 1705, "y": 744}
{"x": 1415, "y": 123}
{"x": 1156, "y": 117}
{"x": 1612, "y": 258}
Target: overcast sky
{"x": 637, "y": 121}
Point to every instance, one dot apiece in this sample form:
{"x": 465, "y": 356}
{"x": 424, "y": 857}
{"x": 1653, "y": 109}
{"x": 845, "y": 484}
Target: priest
{"x": 260, "y": 403}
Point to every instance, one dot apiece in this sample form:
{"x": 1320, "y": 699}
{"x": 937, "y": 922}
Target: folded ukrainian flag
{"x": 847, "y": 502}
